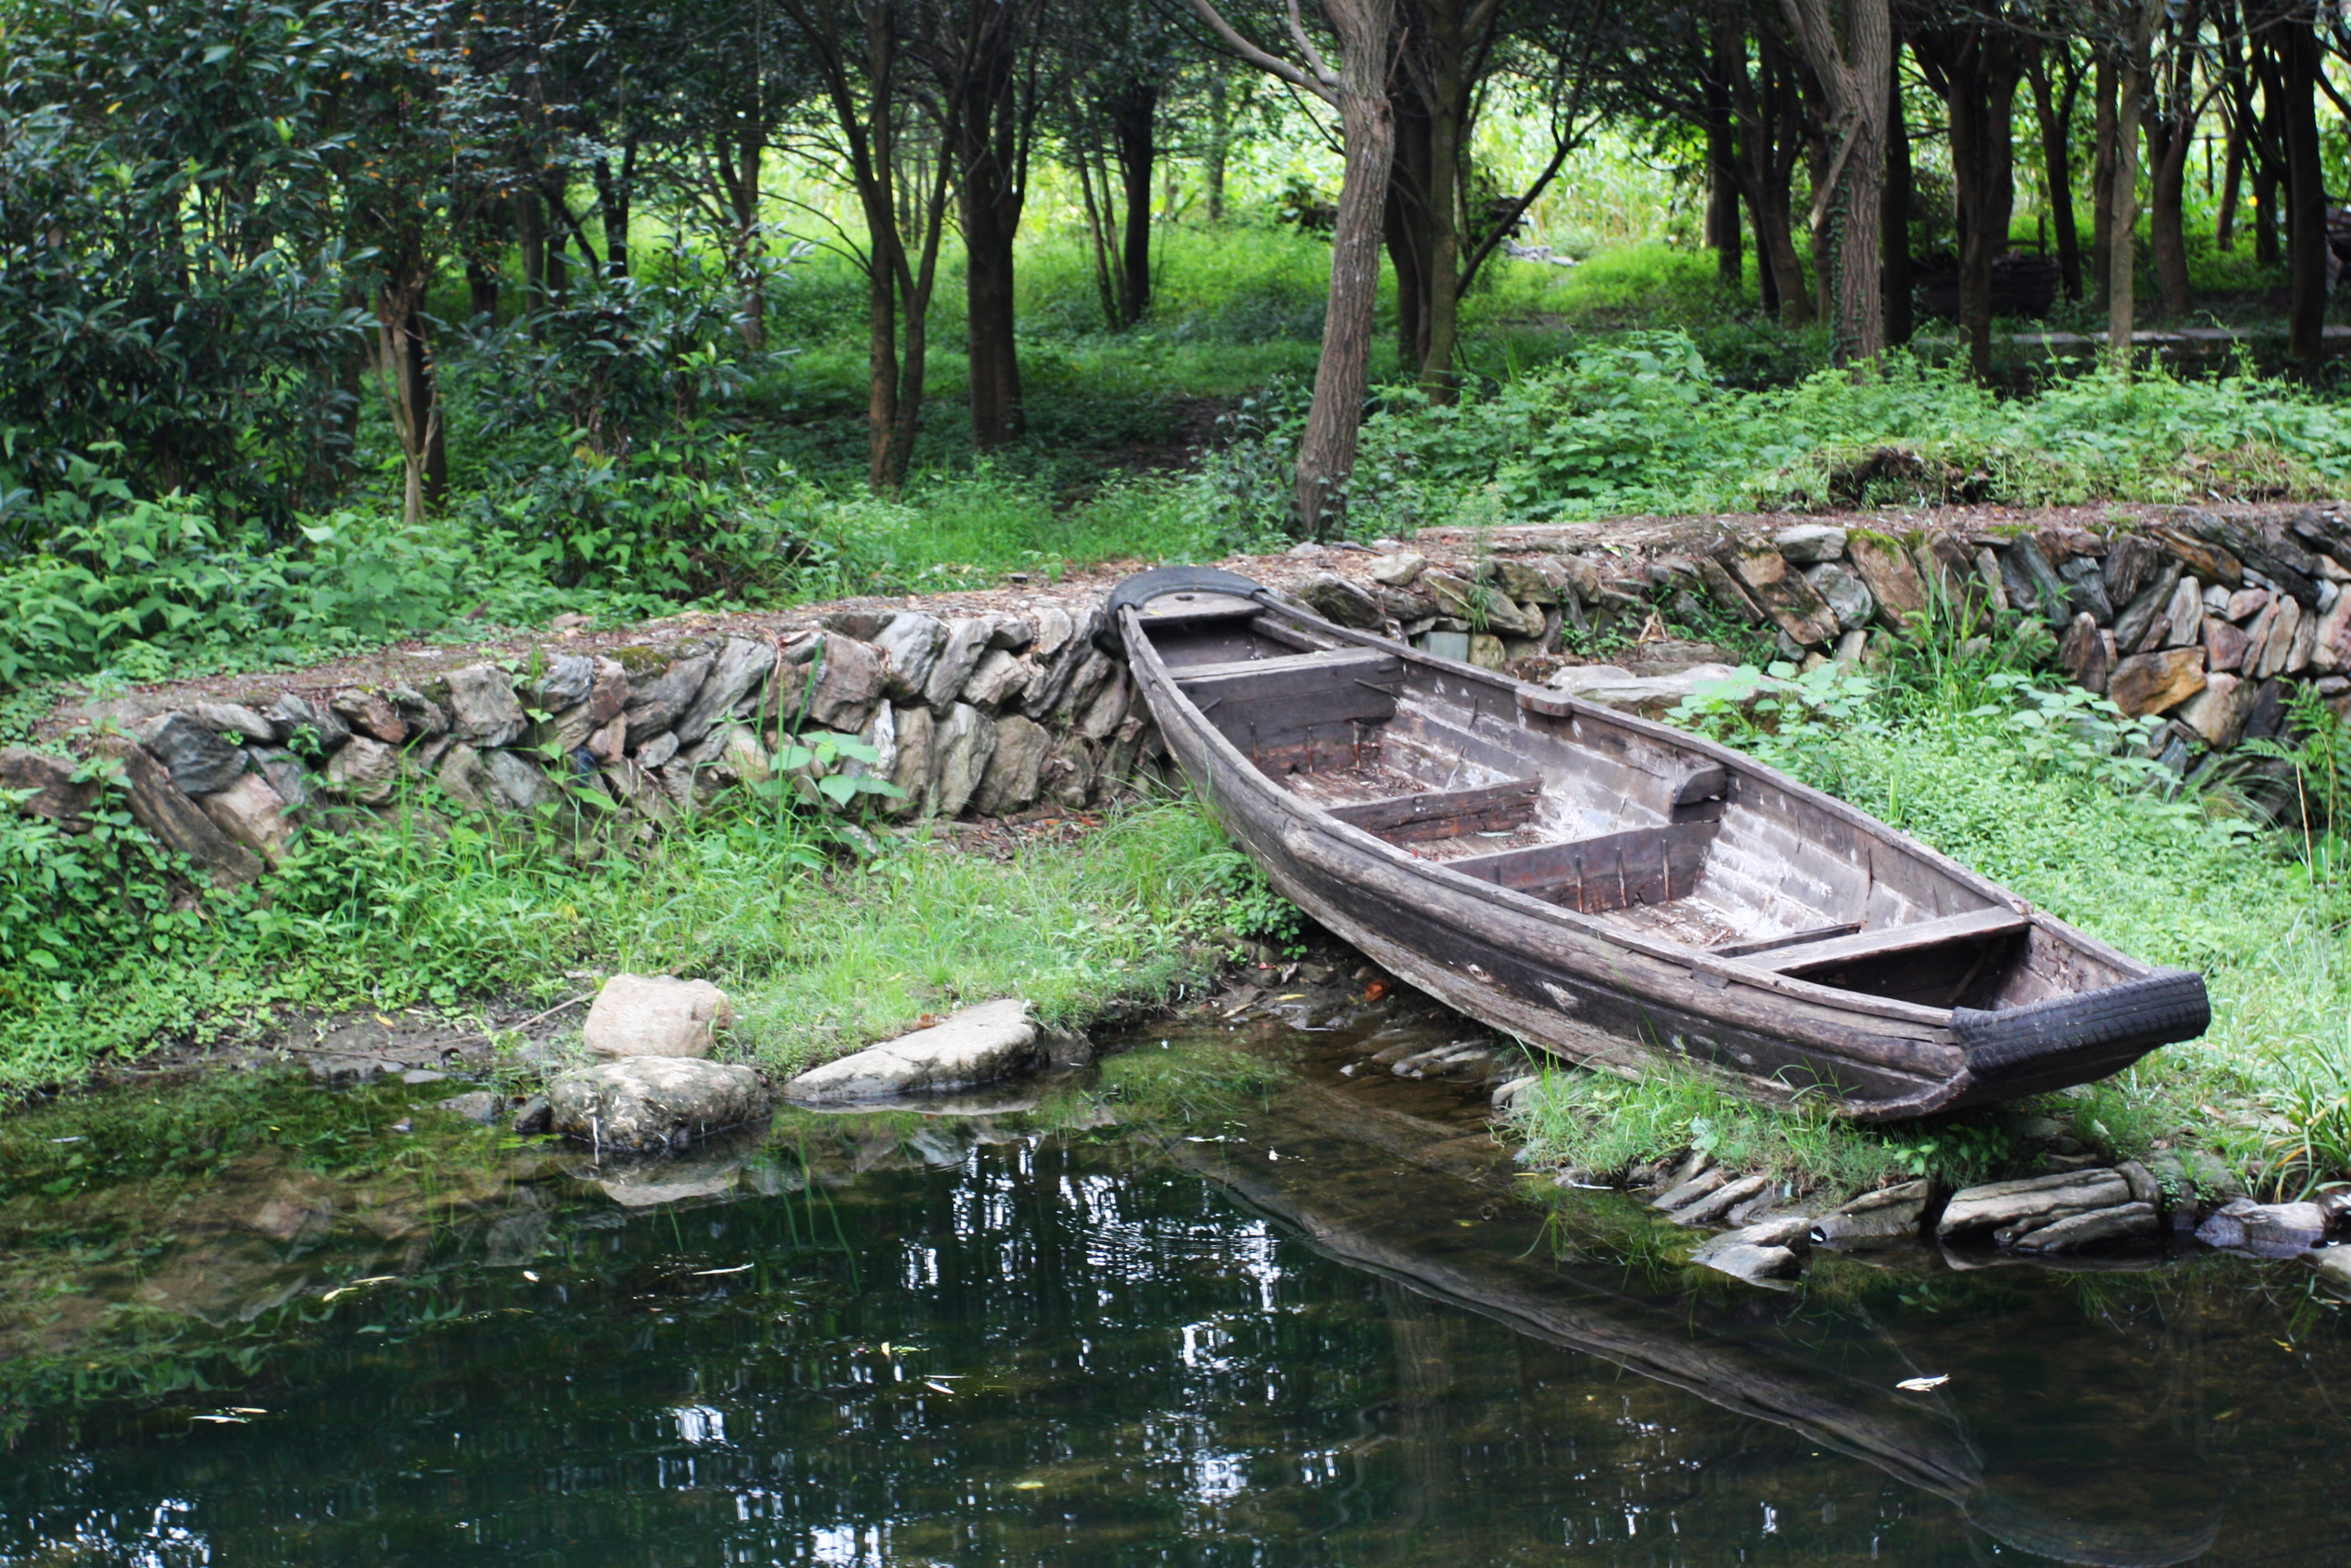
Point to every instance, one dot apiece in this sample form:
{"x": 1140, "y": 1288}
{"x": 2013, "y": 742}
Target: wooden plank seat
{"x": 1270, "y": 707}
{"x": 1446, "y": 813}
{"x": 1914, "y": 938}
{"x": 1611, "y": 870}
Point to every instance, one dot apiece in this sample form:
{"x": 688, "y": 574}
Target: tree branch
{"x": 1272, "y": 64}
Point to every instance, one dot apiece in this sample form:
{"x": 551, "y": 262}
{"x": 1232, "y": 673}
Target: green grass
{"x": 2035, "y": 787}
{"x": 821, "y": 952}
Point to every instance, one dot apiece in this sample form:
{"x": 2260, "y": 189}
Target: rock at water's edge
{"x": 649, "y": 1102}
{"x": 975, "y": 1045}
{"x": 655, "y": 1015}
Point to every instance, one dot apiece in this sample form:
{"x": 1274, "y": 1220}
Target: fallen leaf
{"x": 1923, "y": 1385}
{"x": 1375, "y": 990}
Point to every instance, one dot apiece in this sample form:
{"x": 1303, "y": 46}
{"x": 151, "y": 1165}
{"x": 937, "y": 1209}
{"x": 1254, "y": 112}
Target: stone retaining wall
{"x": 996, "y": 705}
{"x": 984, "y": 714}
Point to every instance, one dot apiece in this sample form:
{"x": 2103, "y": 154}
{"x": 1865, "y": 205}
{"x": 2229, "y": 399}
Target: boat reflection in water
{"x": 2079, "y": 1460}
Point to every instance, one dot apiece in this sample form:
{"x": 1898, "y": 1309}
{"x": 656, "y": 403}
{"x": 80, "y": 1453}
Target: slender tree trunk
{"x": 2237, "y": 111}
{"x": 1220, "y": 143}
{"x": 481, "y": 289}
{"x": 404, "y": 361}
{"x": 2303, "y": 57}
{"x": 1771, "y": 140}
{"x": 990, "y": 198}
{"x": 1326, "y": 455}
{"x": 1854, "y": 66}
{"x": 1402, "y": 238}
{"x": 1101, "y": 207}
{"x": 615, "y": 192}
{"x": 1722, "y": 175}
{"x": 2102, "y": 180}
{"x": 1977, "y": 69}
{"x": 1134, "y": 117}
{"x": 736, "y": 156}
{"x": 1446, "y": 24}
{"x": 2171, "y": 137}
{"x": 1894, "y": 218}
{"x": 2053, "y": 110}
{"x": 531, "y": 239}
{"x": 2133, "y": 68}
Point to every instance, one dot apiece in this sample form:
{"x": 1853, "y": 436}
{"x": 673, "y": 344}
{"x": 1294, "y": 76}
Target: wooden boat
{"x": 1614, "y": 890}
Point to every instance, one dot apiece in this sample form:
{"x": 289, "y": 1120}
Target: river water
{"x": 1216, "y": 1302}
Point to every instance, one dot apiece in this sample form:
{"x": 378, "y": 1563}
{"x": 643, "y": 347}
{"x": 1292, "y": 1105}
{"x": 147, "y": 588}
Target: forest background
{"x": 327, "y": 324}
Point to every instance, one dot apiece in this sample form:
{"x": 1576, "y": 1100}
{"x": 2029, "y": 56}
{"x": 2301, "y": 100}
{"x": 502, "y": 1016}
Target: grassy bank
{"x": 2042, "y": 788}
{"x": 823, "y": 947}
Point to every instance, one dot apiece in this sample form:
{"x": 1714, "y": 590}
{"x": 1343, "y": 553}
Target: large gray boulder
{"x": 978, "y": 1045}
{"x": 483, "y": 711}
{"x": 655, "y": 1015}
{"x": 2266, "y": 1229}
{"x": 199, "y": 761}
{"x": 740, "y": 667}
{"x": 912, "y": 642}
{"x": 651, "y": 1102}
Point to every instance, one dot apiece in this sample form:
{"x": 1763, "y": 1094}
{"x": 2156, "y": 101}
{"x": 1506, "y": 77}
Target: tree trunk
{"x": 1402, "y": 239}
{"x": 1976, "y": 68}
{"x": 2302, "y": 58}
{"x": 1770, "y": 143}
{"x": 614, "y": 194}
{"x": 987, "y": 152}
{"x": 1134, "y": 126}
{"x": 481, "y": 289}
{"x": 2171, "y": 137}
{"x": 2132, "y": 69}
{"x": 1220, "y": 144}
{"x": 2237, "y": 112}
{"x": 2102, "y": 180}
{"x": 1893, "y": 216}
{"x": 531, "y": 239}
{"x": 405, "y": 361}
{"x": 1445, "y": 26}
{"x": 737, "y": 155}
{"x": 1722, "y": 177}
{"x": 1326, "y": 455}
{"x": 2053, "y": 110}
{"x": 1855, "y": 70}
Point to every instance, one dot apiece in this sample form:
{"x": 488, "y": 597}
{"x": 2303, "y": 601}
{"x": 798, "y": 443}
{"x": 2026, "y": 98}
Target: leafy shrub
{"x": 169, "y": 259}
{"x": 616, "y": 361}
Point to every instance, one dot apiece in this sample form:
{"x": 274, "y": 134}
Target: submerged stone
{"x": 651, "y": 1102}
{"x": 977, "y": 1045}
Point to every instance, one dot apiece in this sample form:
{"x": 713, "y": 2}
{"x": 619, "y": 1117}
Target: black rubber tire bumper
{"x": 2126, "y": 1020}
{"x": 1158, "y": 582}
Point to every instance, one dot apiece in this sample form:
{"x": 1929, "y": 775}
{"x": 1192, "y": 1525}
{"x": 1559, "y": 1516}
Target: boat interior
{"x": 1520, "y": 788}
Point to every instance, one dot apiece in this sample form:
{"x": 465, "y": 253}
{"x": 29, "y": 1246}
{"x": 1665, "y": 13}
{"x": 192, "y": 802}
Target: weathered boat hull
{"x": 1597, "y": 992}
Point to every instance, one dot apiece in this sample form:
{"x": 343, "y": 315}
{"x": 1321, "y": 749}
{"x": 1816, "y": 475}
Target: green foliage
{"x": 616, "y": 361}
{"x": 1605, "y": 1127}
{"x": 169, "y": 255}
{"x": 1640, "y": 422}
{"x": 821, "y": 954}
{"x": 1251, "y": 906}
